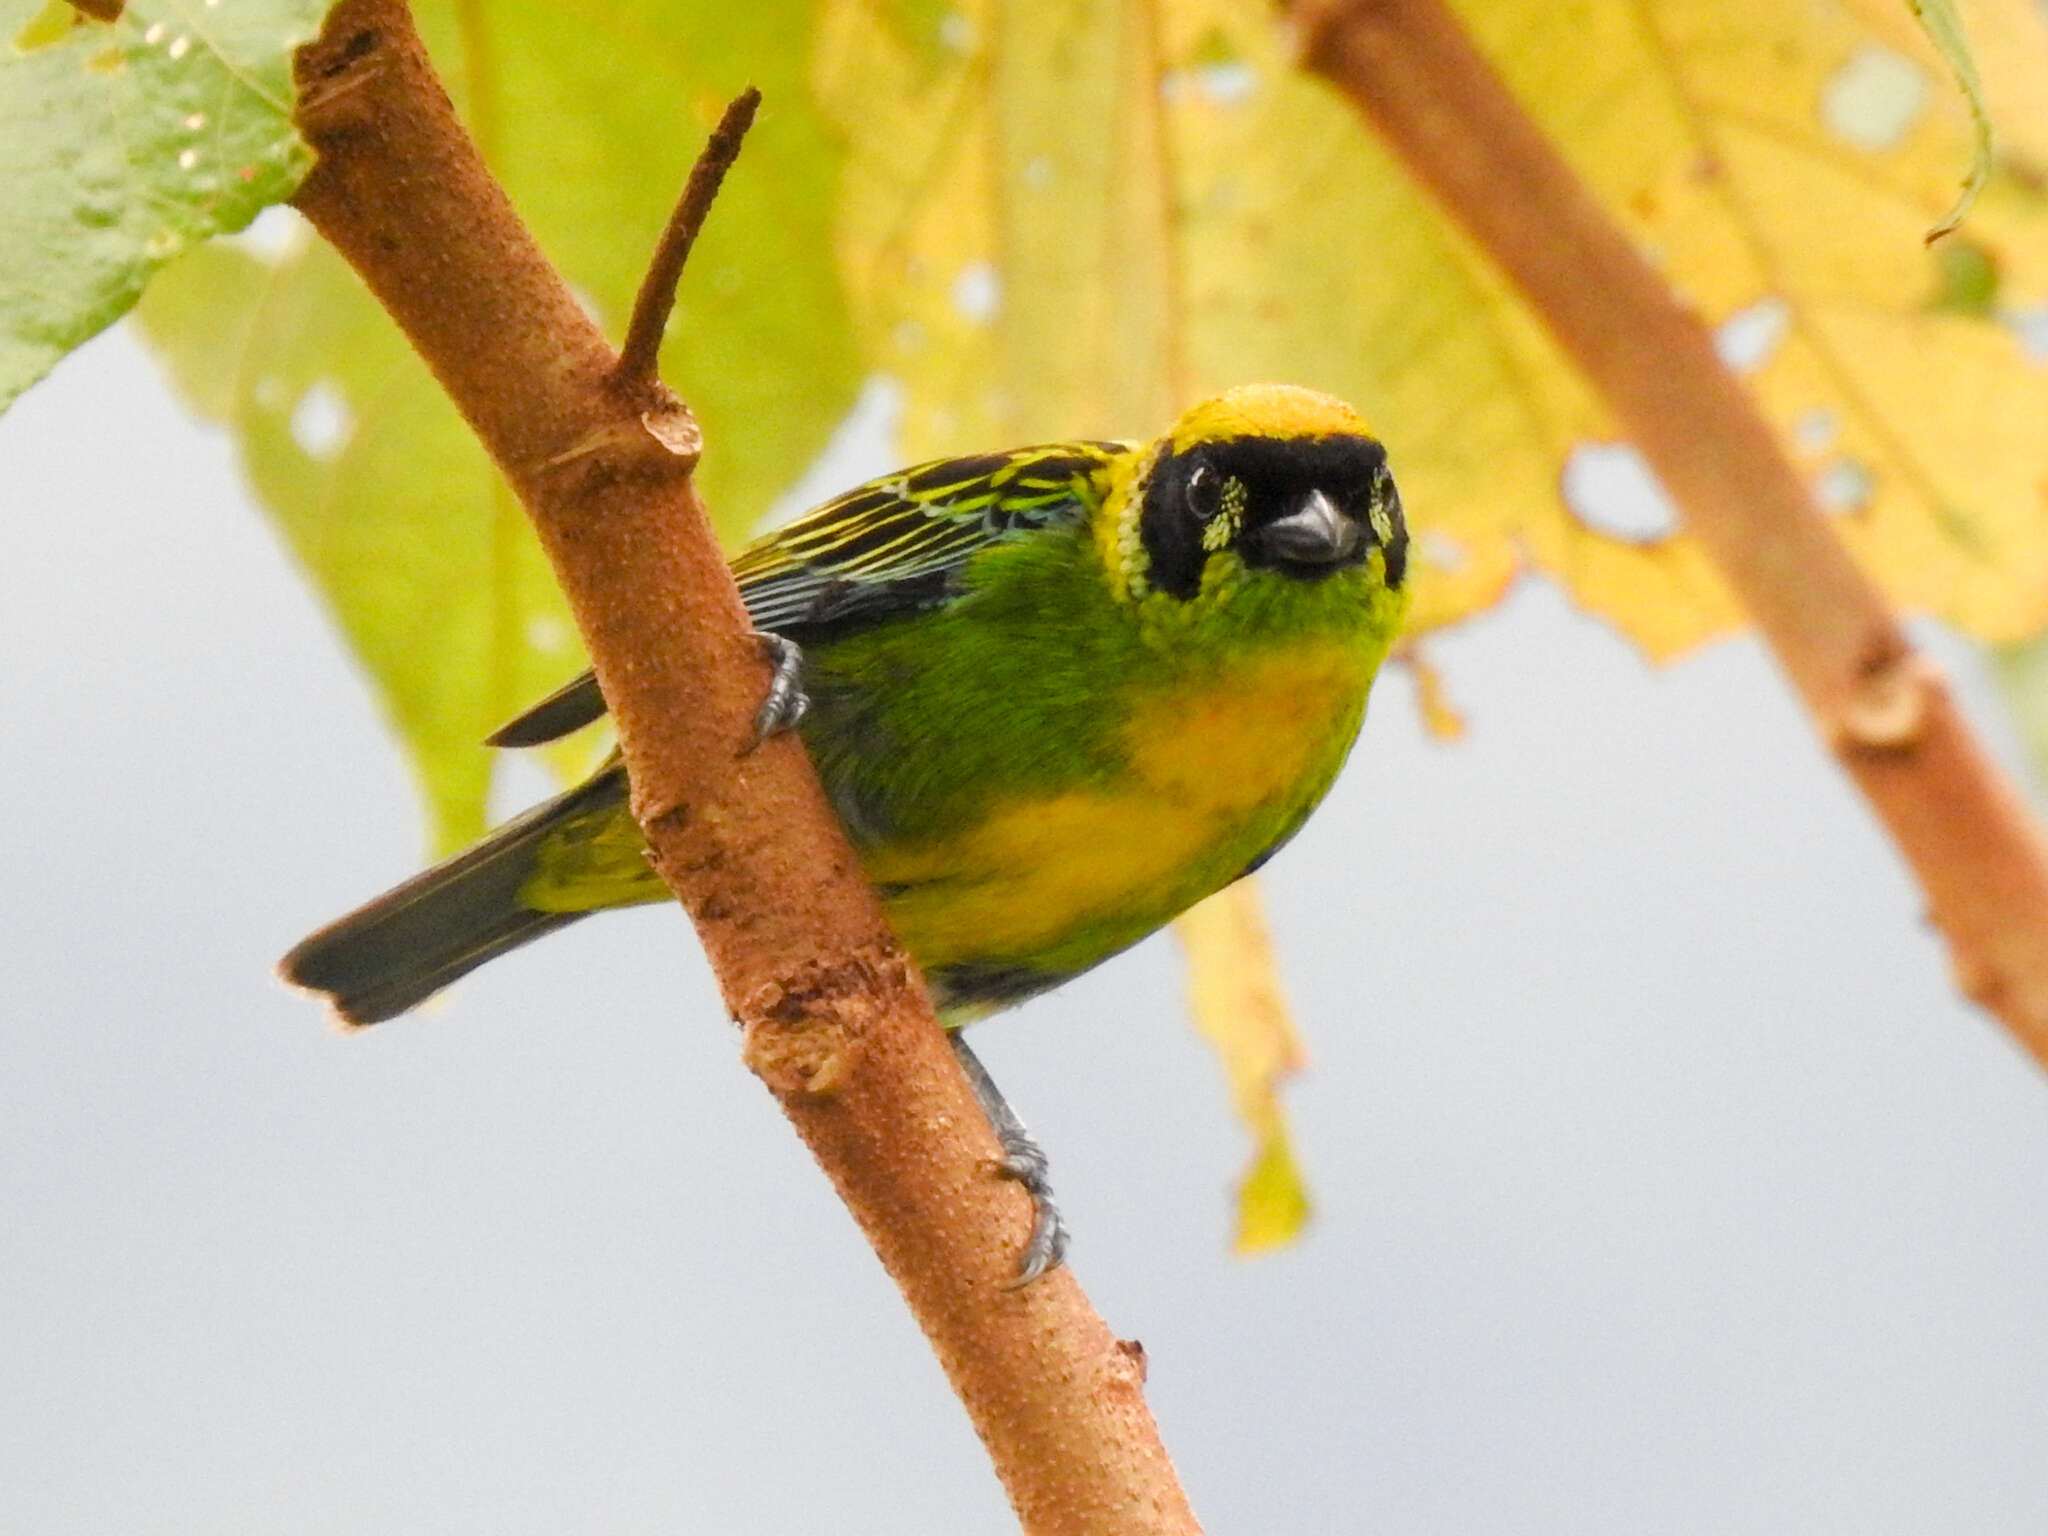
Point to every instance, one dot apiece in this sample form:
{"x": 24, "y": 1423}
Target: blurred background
{"x": 1663, "y": 1182}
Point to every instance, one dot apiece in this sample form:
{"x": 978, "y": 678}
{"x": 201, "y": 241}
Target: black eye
{"x": 1204, "y": 493}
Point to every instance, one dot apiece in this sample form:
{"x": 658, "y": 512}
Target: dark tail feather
{"x": 412, "y": 941}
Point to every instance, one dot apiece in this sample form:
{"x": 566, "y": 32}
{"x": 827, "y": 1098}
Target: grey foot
{"x": 1024, "y": 1160}
{"x": 785, "y": 701}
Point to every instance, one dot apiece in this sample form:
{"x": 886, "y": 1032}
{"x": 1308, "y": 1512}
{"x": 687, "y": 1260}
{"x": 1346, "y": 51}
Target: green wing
{"x": 890, "y": 547}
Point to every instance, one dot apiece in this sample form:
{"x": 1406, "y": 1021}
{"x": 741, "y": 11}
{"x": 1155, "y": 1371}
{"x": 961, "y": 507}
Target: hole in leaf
{"x": 274, "y": 234}
{"x": 1441, "y": 550}
{"x": 1873, "y": 100}
{"x": 1844, "y": 487}
{"x": 1221, "y": 85}
{"x": 548, "y": 633}
{"x": 2029, "y": 327}
{"x": 321, "y": 421}
{"x": 978, "y": 292}
{"x": 1748, "y": 338}
{"x": 1815, "y": 429}
{"x": 1611, "y": 489}
{"x": 1214, "y": 69}
{"x": 1227, "y": 85}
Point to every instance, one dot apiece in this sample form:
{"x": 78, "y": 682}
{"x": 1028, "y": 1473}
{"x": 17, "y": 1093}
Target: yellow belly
{"x": 1215, "y": 771}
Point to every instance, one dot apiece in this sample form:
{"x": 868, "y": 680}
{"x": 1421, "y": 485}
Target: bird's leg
{"x": 1023, "y": 1160}
{"x": 785, "y": 701}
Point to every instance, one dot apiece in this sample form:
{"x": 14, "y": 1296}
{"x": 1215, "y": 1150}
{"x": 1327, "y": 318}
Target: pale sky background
{"x": 1664, "y": 1184}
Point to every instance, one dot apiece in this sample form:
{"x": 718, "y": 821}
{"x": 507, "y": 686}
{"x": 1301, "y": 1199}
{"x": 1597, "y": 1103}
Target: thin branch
{"x": 641, "y": 353}
{"x": 836, "y": 1021}
{"x": 1880, "y": 707}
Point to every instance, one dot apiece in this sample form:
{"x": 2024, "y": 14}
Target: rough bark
{"x": 1879, "y": 706}
{"x": 836, "y": 1021}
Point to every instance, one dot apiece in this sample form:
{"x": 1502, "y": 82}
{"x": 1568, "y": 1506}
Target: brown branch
{"x": 835, "y": 1019}
{"x": 1881, "y": 708}
{"x": 640, "y": 353}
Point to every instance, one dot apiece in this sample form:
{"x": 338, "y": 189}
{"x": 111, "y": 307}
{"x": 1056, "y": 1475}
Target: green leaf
{"x": 376, "y": 485}
{"x": 394, "y": 512}
{"x": 1944, "y": 29}
{"x": 127, "y": 142}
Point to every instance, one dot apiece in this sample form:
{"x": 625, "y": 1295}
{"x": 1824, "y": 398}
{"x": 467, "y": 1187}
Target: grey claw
{"x": 1047, "y": 1246}
{"x": 785, "y": 702}
{"x": 1024, "y": 1161}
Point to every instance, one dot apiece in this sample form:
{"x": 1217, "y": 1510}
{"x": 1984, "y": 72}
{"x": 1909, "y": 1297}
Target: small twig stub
{"x": 639, "y": 355}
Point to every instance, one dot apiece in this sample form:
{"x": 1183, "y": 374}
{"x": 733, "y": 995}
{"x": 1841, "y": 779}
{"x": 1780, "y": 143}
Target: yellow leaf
{"x": 1272, "y": 1202}
{"x": 1441, "y": 717}
{"x": 1070, "y": 220}
{"x": 1235, "y": 998}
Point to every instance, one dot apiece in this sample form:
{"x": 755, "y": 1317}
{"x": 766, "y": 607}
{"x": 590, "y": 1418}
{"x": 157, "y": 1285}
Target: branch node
{"x": 807, "y": 1063}
{"x": 625, "y": 438}
{"x": 805, "y": 1030}
{"x": 1983, "y": 983}
{"x": 675, "y": 428}
{"x": 640, "y": 354}
{"x": 1889, "y": 707}
{"x": 328, "y": 74}
{"x": 1134, "y": 1352}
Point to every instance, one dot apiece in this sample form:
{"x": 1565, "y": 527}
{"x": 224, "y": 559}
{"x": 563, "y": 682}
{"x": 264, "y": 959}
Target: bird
{"x": 1056, "y": 694}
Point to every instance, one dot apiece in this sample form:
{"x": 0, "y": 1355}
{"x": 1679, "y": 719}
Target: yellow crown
{"x": 1266, "y": 410}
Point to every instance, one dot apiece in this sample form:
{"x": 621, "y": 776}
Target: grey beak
{"x": 1315, "y": 534}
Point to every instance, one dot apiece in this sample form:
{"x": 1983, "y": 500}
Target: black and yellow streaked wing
{"x": 890, "y": 547}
